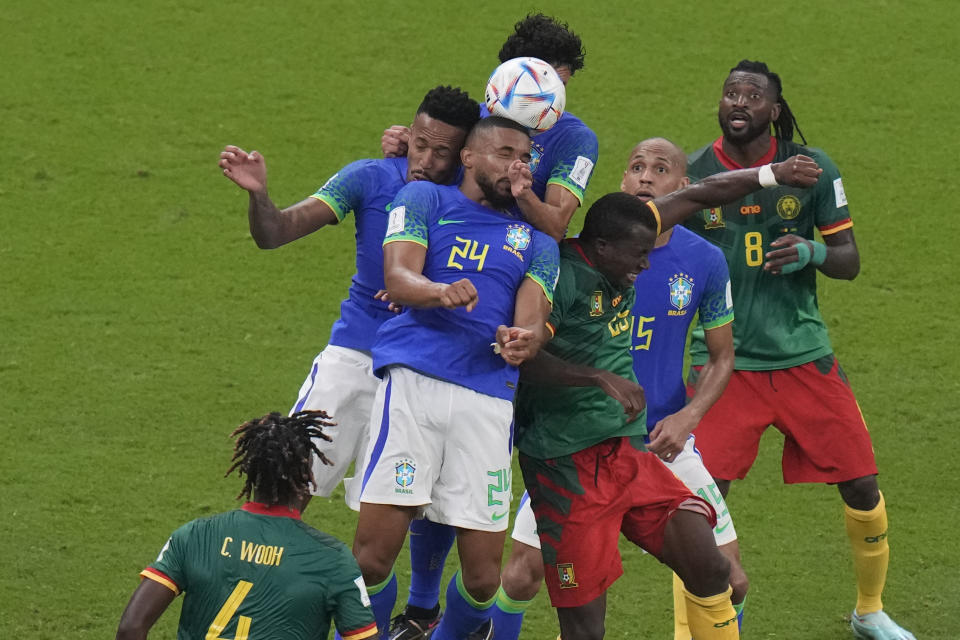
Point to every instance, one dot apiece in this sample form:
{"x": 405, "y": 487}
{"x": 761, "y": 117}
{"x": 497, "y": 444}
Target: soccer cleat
{"x": 404, "y": 628}
{"x": 485, "y": 632}
{"x": 877, "y": 626}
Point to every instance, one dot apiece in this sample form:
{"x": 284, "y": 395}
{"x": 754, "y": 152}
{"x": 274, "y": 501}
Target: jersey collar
{"x": 276, "y": 510}
{"x": 731, "y": 164}
{"x": 575, "y": 243}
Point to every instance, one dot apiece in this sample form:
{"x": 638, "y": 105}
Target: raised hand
{"x": 461, "y": 293}
{"x": 247, "y": 170}
{"x": 520, "y": 177}
{"x": 516, "y": 345}
{"x": 395, "y": 141}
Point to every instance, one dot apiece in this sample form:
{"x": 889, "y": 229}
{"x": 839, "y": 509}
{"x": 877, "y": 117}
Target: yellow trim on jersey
{"x": 422, "y": 243}
{"x": 559, "y": 182}
{"x": 161, "y": 579}
{"x": 832, "y": 230}
{"x": 656, "y": 214}
{"x": 543, "y": 285}
{"x": 363, "y": 633}
{"x": 550, "y": 328}
{"x": 333, "y": 206}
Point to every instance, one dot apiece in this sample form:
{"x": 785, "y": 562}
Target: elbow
{"x": 265, "y": 241}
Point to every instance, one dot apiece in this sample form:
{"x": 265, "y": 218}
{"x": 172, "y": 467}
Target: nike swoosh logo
{"x": 498, "y": 516}
{"x": 443, "y": 221}
{"x": 721, "y": 529}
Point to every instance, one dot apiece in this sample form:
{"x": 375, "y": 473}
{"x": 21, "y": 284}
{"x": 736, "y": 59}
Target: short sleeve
{"x": 352, "y": 614}
{"x": 544, "y": 268}
{"x": 831, "y": 211}
{"x": 344, "y": 192}
{"x": 412, "y": 210}
{"x": 169, "y": 569}
{"x": 576, "y": 156}
{"x": 716, "y": 304}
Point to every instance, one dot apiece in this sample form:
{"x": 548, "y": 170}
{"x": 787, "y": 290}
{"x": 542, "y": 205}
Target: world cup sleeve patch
{"x": 839, "y": 193}
{"x": 364, "y": 598}
{"x": 580, "y": 174}
{"x": 397, "y": 220}
{"x": 729, "y": 296}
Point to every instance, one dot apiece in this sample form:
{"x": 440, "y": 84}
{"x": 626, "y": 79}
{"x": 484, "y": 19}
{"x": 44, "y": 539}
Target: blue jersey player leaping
{"x": 476, "y": 284}
{"x": 562, "y": 160}
{"x": 341, "y": 377}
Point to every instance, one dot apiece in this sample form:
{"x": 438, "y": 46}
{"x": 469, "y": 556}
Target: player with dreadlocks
{"x": 785, "y": 372}
{"x": 258, "y": 571}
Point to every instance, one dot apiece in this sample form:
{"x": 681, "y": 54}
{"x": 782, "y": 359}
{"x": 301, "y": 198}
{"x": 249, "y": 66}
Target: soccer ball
{"x": 528, "y": 91}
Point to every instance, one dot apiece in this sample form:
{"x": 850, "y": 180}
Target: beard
{"x": 496, "y": 199}
{"x": 751, "y": 132}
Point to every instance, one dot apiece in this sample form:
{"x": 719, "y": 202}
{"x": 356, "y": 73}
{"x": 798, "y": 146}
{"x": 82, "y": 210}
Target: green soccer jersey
{"x": 260, "y": 572}
{"x": 778, "y": 323}
{"x": 590, "y": 321}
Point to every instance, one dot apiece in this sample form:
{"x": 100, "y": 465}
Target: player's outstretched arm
{"x": 547, "y": 369}
{"x": 670, "y": 434}
{"x": 407, "y": 286}
{"x": 723, "y": 188}
{"x": 148, "y": 602}
{"x": 551, "y": 215}
{"x": 841, "y": 260}
{"x": 270, "y": 226}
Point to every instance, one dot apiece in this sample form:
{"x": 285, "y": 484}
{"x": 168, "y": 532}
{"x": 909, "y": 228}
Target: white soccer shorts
{"x": 440, "y": 446}
{"x": 341, "y": 382}
{"x": 688, "y": 466}
{"x": 525, "y": 524}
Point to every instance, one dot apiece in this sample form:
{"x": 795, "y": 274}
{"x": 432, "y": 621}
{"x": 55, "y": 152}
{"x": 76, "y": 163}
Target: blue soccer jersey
{"x": 367, "y": 188}
{"x": 686, "y": 276}
{"x": 495, "y": 251}
{"x": 564, "y": 154}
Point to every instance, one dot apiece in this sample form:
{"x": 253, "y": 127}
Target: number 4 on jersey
{"x": 226, "y": 613}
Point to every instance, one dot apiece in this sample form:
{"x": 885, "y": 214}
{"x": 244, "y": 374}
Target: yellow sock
{"x": 680, "y": 629}
{"x": 867, "y": 531}
{"x": 713, "y": 617}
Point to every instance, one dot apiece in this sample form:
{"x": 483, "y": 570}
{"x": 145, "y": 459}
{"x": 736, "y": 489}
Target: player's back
{"x": 669, "y": 294}
{"x": 778, "y": 321}
{"x": 257, "y": 573}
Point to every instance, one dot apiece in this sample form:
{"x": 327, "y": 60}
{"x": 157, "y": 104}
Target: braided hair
{"x": 784, "y": 125}
{"x": 274, "y": 452}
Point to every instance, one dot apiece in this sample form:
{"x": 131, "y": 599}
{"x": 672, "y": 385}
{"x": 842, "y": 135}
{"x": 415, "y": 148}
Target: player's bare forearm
{"x": 272, "y": 227}
{"x": 715, "y": 373}
{"x": 148, "y": 602}
{"x": 549, "y": 370}
{"x": 843, "y": 257}
{"x": 723, "y": 188}
{"x": 551, "y": 216}
{"x": 407, "y": 286}
{"x": 523, "y": 340}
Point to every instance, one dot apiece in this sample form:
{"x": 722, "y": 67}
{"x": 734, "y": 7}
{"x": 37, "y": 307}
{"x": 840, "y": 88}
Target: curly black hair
{"x": 784, "y": 125}
{"x": 274, "y": 452}
{"x": 547, "y": 38}
{"x": 451, "y": 105}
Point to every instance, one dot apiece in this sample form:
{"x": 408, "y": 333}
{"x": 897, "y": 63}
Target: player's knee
{"x": 862, "y": 494}
{"x": 375, "y": 564}
{"x": 481, "y": 582}
{"x": 523, "y": 574}
{"x": 709, "y": 575}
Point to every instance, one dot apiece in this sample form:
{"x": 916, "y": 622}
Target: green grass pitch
{"x": 140, "y": 324}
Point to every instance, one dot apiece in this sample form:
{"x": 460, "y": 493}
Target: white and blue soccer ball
{"x": 528, "y": 91}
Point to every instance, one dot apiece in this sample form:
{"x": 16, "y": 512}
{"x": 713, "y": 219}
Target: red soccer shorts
{"x": 826, "y": 439}
{"x": 584, "y": 501}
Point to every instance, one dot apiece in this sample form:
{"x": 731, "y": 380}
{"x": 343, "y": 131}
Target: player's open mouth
{"x": 738, "y": 120}
{"x": 631, "y": 277}
{"x": 645, "y": 196}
